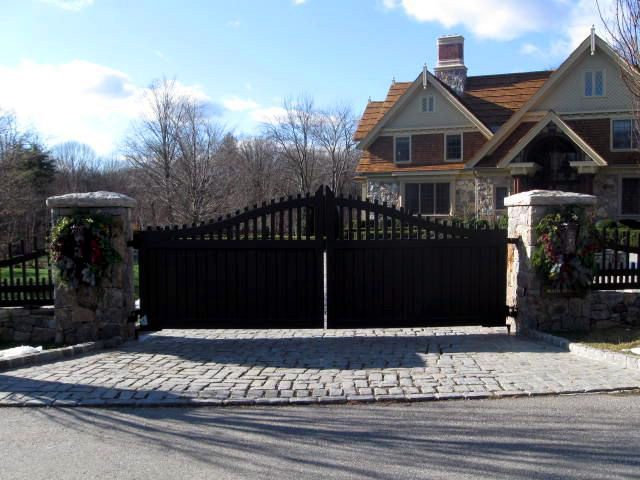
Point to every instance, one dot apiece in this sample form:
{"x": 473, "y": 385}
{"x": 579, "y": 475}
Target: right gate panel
{"x": 396, "y": 270}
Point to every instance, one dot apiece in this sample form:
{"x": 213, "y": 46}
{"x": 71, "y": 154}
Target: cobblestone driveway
{"x": 302, "y": 366}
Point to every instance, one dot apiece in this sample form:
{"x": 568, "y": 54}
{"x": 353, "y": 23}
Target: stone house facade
{"x": 449, "y": 144}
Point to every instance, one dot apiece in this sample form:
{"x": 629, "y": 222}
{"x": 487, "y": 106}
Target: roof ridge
{"x": 550, "y": 71}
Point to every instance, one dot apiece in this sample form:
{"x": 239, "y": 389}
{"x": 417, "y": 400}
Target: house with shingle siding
{"x": 451, "y": 144}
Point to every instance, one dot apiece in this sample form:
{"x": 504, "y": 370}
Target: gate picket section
{"x": 262, "y": 268}
{"x": 389, "y": 268}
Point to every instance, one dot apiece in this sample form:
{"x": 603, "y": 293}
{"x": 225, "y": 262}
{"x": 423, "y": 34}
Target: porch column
{"x": 100, "y": 312}
{"x": 519, "y": 183}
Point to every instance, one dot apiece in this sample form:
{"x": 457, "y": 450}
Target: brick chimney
{"x": 450, "y": 68}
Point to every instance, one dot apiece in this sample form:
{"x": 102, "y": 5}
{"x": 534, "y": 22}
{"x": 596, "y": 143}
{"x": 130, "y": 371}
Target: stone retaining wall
{"x": 598, "y": 309}
{"x": 28, "y": 325}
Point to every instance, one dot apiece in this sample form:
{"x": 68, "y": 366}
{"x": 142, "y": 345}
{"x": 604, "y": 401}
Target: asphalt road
{"x": 588, "y": 436}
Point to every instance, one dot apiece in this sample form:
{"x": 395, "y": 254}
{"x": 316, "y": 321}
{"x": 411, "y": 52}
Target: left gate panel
{"x": 240, "y": 286}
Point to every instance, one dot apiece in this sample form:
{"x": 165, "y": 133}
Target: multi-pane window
{"x": 623, "y": 135}
{"x": 453, "y": 147}
{"x": 402, "y": 149}
{"x": 427, "y": 198}
{"x": 594, "y": 84}
{"x": 501, "y": 194}
{"x": 630, "y": 204}
{"x": 428, "y": 104}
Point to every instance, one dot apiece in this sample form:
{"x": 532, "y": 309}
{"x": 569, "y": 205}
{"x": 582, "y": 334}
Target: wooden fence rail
{"x": 26, "y": 276}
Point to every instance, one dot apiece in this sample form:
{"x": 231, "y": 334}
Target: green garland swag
{"x": 561, "y": 271}
{"x": 81, "y": 249}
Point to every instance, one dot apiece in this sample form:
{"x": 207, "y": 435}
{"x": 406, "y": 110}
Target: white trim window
{"x": 402, "y": 149}
{"x": 594, "y": 83}
{"x": 630, "y": 196}
{"x": 453, "y": 147}
{"x": 428, "y": 198}
{"x": 428, "y": 104}
{"x": 623, "y": 134}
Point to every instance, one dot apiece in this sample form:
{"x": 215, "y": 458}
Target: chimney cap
{"x": 447, "y": 39}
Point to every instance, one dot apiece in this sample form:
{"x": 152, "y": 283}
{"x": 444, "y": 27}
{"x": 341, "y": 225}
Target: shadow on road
{"x": 526, "y": 438}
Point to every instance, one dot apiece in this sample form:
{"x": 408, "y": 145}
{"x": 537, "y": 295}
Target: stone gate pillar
{"x": 524, "y": 288}
{"x": 91, "y": 313}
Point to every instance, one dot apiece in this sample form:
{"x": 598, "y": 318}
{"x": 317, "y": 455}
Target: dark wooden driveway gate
{"x": 399, "y": 270}
{"x": 265, "y": 268}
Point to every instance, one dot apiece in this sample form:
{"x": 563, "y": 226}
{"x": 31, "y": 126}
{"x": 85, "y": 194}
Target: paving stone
{"x": 308, "y": 366}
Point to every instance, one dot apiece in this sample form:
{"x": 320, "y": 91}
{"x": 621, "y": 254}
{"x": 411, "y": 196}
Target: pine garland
{"x": 82, "y": 250}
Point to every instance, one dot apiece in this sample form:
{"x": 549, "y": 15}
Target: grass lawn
{"x": 17, "y": 273}
{"x": 136, "y": 280}
{"x": 31, "y": 273}
{"x": 615, "y": 338}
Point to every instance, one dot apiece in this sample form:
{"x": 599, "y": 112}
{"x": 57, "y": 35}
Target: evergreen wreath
{"x": 566, "y": 272}
{"x": 82, "y": 250}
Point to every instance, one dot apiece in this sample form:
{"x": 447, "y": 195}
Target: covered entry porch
{"x": 551, "y": 156}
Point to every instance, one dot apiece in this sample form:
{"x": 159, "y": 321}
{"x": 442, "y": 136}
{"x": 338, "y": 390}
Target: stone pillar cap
{"x": 549, "y": 197}
{"x": 91, "y": 199}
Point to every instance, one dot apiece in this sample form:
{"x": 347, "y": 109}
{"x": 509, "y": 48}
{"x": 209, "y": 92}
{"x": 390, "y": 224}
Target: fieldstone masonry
{"x": 28, "y": 325}
{"x": 97, "y": 313}
{"x": 549, "y": 312}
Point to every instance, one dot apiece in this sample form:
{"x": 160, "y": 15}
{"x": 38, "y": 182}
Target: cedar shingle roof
{"x": 492, "y": 98}
{"x": 375, "y": 110}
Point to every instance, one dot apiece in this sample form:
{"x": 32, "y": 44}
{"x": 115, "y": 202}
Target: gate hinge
{"x": 511, "y": 311}
{"x": 513, "y": 241}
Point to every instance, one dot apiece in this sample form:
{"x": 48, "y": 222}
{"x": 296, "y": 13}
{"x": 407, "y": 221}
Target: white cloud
{"x": 496, "y": 19}
{"x": 566, "y": 23}
{"x": 267, "y": 114}
{"x": 582, "y": 15}
{"x": 77, "y": 100}
{"x": 236, "y": 104}
{"x": 71, "y": 5}
{"x": 577, "y": 21}
{"x": 233, "y": 23}
{"x": 299, "y": 2}
{"x": 251, "y": 111}
{"x": 530, "y": 49}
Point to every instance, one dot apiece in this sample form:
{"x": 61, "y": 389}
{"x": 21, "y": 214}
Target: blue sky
{"x": 78, "y": 69}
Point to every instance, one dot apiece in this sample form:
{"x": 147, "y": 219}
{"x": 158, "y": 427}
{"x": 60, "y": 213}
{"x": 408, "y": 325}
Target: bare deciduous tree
{"x": 152, "y": 146}
{"x": 292, "y": 133}
{"x": 333, "y": 131}
{"x": 200, "y": 174}
{"x": 260, "y": 171}
{"x": 176, "y": 150}
{"x": 622, "y": 23}
{"x": 76, "y": 164}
